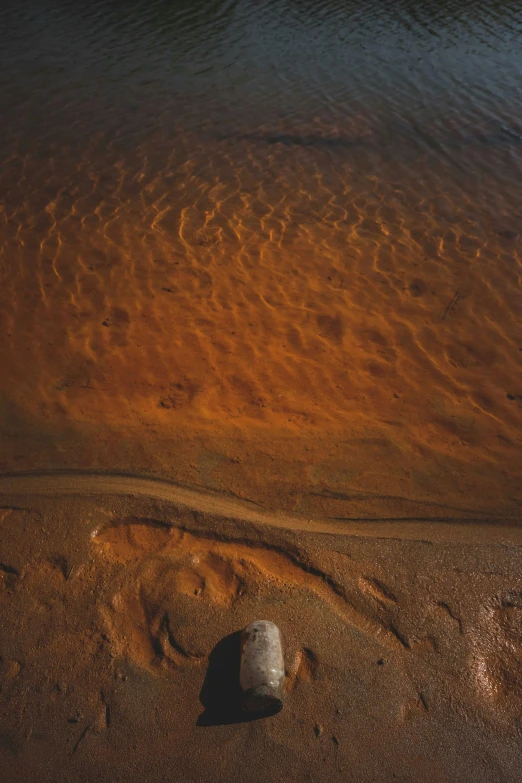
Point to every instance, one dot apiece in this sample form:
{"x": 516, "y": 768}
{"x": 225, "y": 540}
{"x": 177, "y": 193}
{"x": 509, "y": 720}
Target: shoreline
{"x": 483, "y": 529}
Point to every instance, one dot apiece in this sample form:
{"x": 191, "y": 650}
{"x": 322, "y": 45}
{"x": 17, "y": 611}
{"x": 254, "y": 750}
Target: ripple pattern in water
{"x": 282, "y": 236}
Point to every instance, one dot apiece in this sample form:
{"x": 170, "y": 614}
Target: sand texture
{"x": 120, "y": 608}
{"x": 254, "y": 316}
{"x": 260, "y": 358}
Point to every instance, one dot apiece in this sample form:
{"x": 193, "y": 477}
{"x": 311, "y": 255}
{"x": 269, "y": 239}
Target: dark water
{"x": 329, "y": 192}
{"x": 433, "y": 88}
{"x": 436, "y": 75}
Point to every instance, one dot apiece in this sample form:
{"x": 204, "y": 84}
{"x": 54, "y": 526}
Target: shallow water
{"x": 268, "y": 248}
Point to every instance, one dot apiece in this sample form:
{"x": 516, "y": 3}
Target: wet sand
{"x": 261, "y": 358}
{"x": 267, "y": 321}
{"x": 120, "y": 608}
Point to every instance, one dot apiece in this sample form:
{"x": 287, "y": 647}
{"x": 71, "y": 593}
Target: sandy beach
{"x": 121, "y": 602}
{"x": 260, "y": 358}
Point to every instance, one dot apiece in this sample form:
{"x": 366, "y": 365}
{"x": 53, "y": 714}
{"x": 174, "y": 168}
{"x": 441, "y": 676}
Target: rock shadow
{"x": 221, "y": 692}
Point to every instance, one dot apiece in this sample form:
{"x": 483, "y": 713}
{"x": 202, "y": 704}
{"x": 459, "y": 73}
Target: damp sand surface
{"x": 120, "y": 649}
{"x": 261, "y": 358}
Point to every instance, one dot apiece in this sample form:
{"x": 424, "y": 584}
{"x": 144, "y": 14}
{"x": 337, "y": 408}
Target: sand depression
{"x": 121, "y": 599}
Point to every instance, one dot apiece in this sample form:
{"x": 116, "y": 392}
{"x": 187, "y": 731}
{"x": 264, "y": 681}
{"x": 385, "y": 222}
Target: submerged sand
{"x": 121, "y": 600}
{"x": 268, "y": 321}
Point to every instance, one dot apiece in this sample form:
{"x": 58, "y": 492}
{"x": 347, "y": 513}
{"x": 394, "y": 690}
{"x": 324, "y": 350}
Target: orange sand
{"x": 308, "y": 342}
{"x": 119, "y": 650}
{"x": 293, "y": 353}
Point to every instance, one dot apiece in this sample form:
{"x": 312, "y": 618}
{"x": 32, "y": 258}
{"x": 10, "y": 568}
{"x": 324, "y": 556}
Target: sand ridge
{"x": 121, "y": 614}
{"x": 91, "y": 483}
{"x": 176, "y": 562}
